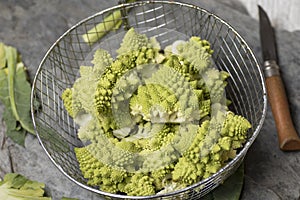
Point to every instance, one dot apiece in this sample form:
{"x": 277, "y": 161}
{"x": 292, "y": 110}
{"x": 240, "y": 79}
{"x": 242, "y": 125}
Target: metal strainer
{"x": 167, "y": 21}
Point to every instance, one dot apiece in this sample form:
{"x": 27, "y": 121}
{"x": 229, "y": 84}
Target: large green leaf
{"x": 13, "y": 129}
{"x": 17, "y": 187}
{"x": 19, "y": 89}
{"x": 15, "y": 95}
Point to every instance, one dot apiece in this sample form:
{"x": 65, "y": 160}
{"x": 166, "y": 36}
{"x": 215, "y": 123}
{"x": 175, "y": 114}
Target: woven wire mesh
{"x": 58, "y": 70}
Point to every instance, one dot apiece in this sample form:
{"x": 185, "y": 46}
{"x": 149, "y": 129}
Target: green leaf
{"x": 15, "y": 95}
{"x": 231, "y": 189}
{"x": 17, "y": 187}
{"x": 13, "y": 129}
{"x": 66, "y": 198}
{"x": 19, "y": 89}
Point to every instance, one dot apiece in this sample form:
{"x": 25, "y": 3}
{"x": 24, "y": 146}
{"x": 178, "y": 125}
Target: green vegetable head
{"x": 157, "y": 121}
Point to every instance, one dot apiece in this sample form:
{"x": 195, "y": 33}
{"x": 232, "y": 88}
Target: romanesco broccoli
{"x": 166, "y": 97}
{"x": 211, "y": 148}
{"x": 140, "y": 185}
{"x": 215, "y": 83}
{"x": 71, "y": 105}
{"x": 101, "y": 60}
{"x": 97, "y": 173}
{"x": 78, "y": 98}
{"x": 197, "y": 52}
{"x": 135, "y": 50}
{"x": 153, "y": 121}
{"x": 105, "y": 85}
{"x": 133, "y": 41}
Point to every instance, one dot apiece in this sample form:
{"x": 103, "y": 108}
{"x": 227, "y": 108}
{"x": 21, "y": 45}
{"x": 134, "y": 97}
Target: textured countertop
{"x": 33, "y": 25}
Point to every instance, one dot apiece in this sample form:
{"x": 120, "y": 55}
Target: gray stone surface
{"x": 32, "y": 26}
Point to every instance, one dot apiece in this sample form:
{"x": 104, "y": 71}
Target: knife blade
{"x": 267, "y": 36}
{"x": 287, "y": 136}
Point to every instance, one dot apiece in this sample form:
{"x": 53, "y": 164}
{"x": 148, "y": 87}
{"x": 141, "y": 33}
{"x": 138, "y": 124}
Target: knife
{"x": 287, "y": 136}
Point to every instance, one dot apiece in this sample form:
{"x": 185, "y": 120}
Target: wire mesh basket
{"x": 59, "y": 68}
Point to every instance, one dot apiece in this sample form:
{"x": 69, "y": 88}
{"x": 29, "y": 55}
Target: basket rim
{"x": 241, "y": 154}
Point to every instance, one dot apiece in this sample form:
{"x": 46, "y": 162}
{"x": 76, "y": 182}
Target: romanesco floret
{"x": 114, "y": 72}
{"x": 153, "y": 101}
{"x": 78, "y": 98}
{"x": 104, "y": 90}
{"x": 134, "y": 41}
{"x": 162, "y": 177}
{"x": 166, "y": 97}
{"x": 85, "y": 87}
{"x": 180, "y": 65}
{"x": 215, "y": 83}
{"x": 160, "y": 137}
{"x": 187, "y": 172}
{"x": 101, "y": 60}
{"x": 72, "y": 106}
{"x": 114, "y": 154}
{"x": 140, "y": 185}
{"x": 197, "y": 52}
{"x": 153, "y": 122}
{"x": 211, "y": 149}
{"x": 97, "y": 173}
{"x": 235, "y": 127}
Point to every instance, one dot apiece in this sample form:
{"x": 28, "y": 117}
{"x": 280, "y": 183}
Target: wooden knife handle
{"x": 287, "y": 135}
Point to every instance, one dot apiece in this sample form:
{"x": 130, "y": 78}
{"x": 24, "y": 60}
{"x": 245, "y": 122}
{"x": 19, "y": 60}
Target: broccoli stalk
{"x": 111, "y": 22}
